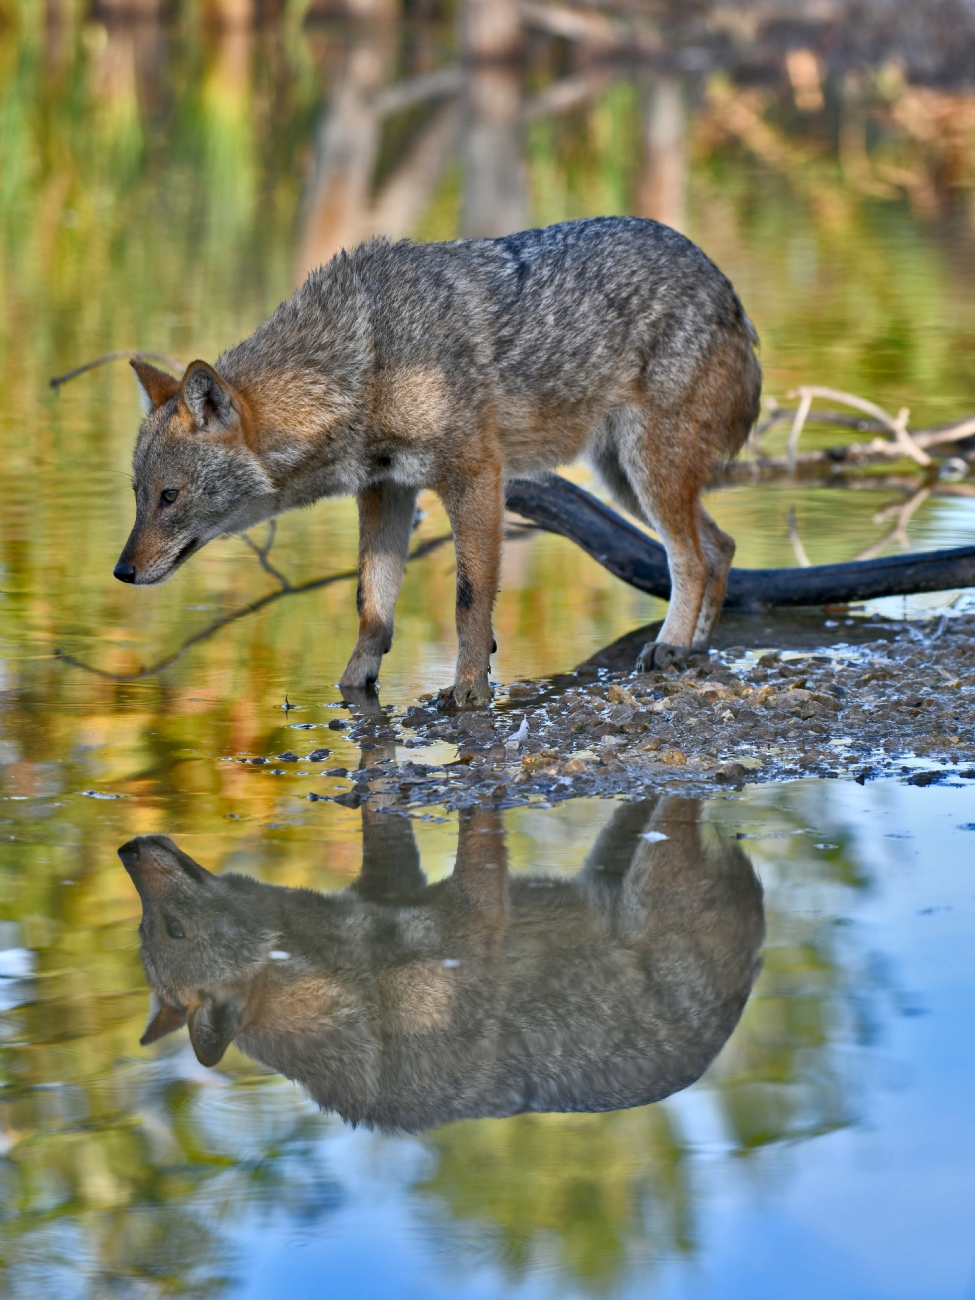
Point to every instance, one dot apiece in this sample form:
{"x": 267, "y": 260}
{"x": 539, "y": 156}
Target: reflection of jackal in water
{"x": 454, "y": 367}
{"x": 403, "y": 1005}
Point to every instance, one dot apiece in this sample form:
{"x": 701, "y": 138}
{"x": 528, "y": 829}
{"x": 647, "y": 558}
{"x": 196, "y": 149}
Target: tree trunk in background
{"x": 662, "y": 187}
{"x": 494, "y": 200}
{"x": 345, "y": 151}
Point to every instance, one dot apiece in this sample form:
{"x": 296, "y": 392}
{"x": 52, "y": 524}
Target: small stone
{"x": 337, "y": 724}
{"x": 925, "y": 778}
{"x": 673, "y": 757}
{"x": 574, "y": 767}
{"x": 288, "y": 757}
{"x": 318, "y": 755}
{"x": 257, "y": 762}
{"x": 620, "y": 695}
{"x": 731, "y": 771}
{"x": 522, "y": 690}
{"x": 535, "y": 762}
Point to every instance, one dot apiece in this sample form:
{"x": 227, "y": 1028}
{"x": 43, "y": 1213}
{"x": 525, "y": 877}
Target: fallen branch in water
{"x": 899, "y": 442}
{"x": 555, "y": 504}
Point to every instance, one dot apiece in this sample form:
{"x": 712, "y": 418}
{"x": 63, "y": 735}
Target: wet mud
{"x": 889, "y": 698}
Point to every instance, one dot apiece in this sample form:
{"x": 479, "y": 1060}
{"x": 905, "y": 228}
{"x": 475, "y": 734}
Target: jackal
{"x": 402, "y": 1005}
{"x": 454, "y": 366}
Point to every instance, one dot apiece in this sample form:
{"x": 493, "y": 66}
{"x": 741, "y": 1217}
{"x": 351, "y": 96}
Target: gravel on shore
{"x": 902, "y": 701}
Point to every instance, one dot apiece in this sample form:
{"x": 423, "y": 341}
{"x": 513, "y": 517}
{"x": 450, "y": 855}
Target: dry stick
{"x": 796, "y": 430}
{"x": 125, "y": 354}
{"x": 897, "y": 426}
{"x": 286, "y": 589}
{"x": 858, "y": 453}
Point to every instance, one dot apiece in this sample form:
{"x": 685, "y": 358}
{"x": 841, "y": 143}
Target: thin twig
{"x": 127, "y": 354}
{"x": 211, "y": 629}
{"x": 801, "y": 414}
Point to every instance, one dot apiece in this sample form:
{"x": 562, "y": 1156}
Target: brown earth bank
{"x": 891, "y": 699}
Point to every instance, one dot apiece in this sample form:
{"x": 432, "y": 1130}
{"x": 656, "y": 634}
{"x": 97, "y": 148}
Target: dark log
{"x": 558, "y": 506}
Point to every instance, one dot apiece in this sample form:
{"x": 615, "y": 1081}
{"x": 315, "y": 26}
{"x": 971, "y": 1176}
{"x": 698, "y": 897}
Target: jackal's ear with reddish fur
{"x": 157, "y": 387}
{"x": 208, "y": 398}
{"x": 165, "y": 1021}
{"x": 213, "y": 1026}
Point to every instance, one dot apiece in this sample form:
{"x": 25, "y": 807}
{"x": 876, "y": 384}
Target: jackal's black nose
{"x": 124, "y": 572}
{"x": 129, "y": 853}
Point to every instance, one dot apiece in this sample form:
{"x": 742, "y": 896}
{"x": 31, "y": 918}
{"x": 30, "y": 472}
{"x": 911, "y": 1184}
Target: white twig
{"x": 897, "y": 426}
{"x": 806, "y": 398}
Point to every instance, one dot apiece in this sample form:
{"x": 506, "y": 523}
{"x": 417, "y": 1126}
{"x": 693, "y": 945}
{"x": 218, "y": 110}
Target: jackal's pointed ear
{"x": 213, "y": 1026}
{"x": 166, "y": 1020}
{"x": 208, "y": 398}
{"x": 156, "y": 386}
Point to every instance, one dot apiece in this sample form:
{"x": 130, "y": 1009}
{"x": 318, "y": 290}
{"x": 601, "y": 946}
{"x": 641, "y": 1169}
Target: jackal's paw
{"x": 465, "y": 695}
{"x": 657, "y": 654}
{"x": 361, "y": 672}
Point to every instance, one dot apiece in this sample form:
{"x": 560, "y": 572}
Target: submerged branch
{"x": 262, "y": 553}
{"x": 285, "y": 589}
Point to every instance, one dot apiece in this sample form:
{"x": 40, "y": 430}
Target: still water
{"x": 164, "y": 187}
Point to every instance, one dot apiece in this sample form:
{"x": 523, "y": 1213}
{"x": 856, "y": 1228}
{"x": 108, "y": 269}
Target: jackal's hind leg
{"x": 385, "y": 521}
{"x": 476, "y": 511}
{"x": 719, "y": 549}
{"x": 667, "y": 494}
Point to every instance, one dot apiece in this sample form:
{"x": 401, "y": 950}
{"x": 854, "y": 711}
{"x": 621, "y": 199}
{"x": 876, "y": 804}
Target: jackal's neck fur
{"x": 303, "y": 377}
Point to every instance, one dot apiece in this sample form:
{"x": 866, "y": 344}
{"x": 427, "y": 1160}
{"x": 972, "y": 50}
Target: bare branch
{"x": 127, "y": 354}
{"x": 797, "y": 424}
{"x": 897, "y": 426}
{"x": 415, "y": 90}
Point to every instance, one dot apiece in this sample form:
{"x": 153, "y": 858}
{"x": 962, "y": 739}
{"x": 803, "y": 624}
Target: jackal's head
{"x": 205, "y": 939}
{"x": 195, "y": 473}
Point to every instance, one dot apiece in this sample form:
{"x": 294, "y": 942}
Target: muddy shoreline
{"x": 880, "y": 698}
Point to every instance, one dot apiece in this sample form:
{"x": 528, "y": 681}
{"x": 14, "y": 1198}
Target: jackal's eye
{"x": 174, "y": 929}
{"x": 168, "y": 497}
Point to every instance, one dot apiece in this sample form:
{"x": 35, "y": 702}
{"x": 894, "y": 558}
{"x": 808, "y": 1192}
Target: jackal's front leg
{"x": 385, "y": 522}
{"x": 475, "y": 507}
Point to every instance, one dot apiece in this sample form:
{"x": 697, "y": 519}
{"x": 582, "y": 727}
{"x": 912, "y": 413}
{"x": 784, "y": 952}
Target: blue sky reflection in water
{"x": 828, "y": 1150}
{"x": 162, "y": 186}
